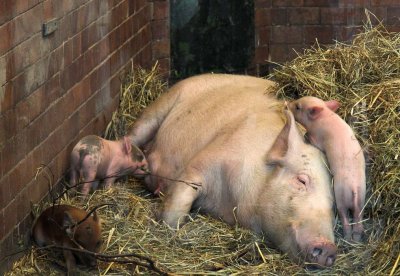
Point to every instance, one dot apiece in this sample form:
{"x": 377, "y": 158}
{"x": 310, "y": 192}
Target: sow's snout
{"x": 321, "y": 253}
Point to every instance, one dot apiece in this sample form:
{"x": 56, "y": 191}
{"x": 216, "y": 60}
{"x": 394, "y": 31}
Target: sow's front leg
{"x": 191, "y": 184}
{"x": 178, "y": 200}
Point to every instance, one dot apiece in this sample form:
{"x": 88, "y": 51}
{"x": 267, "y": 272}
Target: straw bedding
{"x": 364, "y": 76}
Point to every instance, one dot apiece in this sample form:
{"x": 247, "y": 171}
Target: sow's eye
{"x": 302, "y": 181}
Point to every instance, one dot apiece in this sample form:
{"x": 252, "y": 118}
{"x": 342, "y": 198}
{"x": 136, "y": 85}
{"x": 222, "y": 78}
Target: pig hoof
{"x": 357, "y": 237}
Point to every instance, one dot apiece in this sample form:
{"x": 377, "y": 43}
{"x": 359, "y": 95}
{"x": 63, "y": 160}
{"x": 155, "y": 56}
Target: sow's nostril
{"x": 323, "y": 254}
{"x": 316, "y": 252}
{"x": 330, "y": 260}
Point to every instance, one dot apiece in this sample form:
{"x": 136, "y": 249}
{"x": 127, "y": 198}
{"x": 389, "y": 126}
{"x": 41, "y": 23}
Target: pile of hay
{"x": 364, "y": 77}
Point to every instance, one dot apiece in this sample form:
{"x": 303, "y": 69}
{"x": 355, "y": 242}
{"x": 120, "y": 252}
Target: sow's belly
{"x": 234, "y": 125}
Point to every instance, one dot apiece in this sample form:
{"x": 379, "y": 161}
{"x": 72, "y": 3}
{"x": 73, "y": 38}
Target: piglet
{"x": 59, "y": 225}
{"x": 95, "y": 158}
{"x": 330, "y": 133}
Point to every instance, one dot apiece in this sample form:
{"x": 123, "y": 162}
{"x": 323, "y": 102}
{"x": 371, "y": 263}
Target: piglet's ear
{"x": 127, "y": 145}
{"x": 95, "y": 217}
{"x": 314, "y": 112}
{"x": 332, "y": 105}
{"x": 68, "y": 222}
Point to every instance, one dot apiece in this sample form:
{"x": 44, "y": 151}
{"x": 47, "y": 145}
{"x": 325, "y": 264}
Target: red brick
{"x": 287, "y": 3}
{"x": 356, "y": 16}
{"x": 23, "y": 55}
{"x": 28, "y": 24}
{"x": 324, "y": 34}
{"x": 261, "y": 54}
{"x": 68, "y": 6}
{"x": 144, "y": 57}
{"x": 263, "y": 36}
{"x": 160, "y": 29}
{"x": 333, "y": 16}
{"x": 10, "y": 218}
{"x": 381, "y": 14}
{"x": 7, "y": 96}
{"x": 102, "y": 73}
{"x": 90, "y": 36}
{"x": 93, "y": 11}
{"x": 161, "y": 49}
{"x": 6, "y": 34}
{"x": 14, "y": 150}
{"x": 23, "y": 173}
{"x": 279, "y": 16}
{"x": 28, "y": 109}
{"x": 278, "y": 52}
{"x": 160, "y": 10}
{"x": 294, "y": 50}
{"x": 37, "y": 189}
{"x": 394, "y": 29}
{"x": 2, "y": 232}
{"x": 72, "y": 74}
{"x": 386, "y": 3}
{"x": 287, "y": 34}
{"x": 23, "y": 5}
{"x": 139, "y": 4}
{"x": 321, "y": 3}
{"x": 6, "y": 11}
{"x": 119, "y": 14}
{"x": 344, "y": 33}
{"x": 393, "y": 16}
{"x": 300, "y": 16}
{"x": 48, "y": 10}
{"x": 23, "y": 205}
{"x": 164, "y": 67}
{"x": 262, "y": 17}
{"x": 5, "y": 193}
{"x": 8, "y": 124}
{"x": 67, "y": 53}
{"x": 76, "y": 46}
{"x": 354, "y": 3}
{"x": 262, "y": 4}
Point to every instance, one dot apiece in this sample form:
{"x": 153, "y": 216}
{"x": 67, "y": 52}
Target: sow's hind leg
{"x": 145, "y": 128}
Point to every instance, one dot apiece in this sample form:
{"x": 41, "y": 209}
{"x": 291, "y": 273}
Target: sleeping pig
{"x": 95, "y": 158}
{"x": 253, "y": 167}
{"x": 59, "y": 225}
{"x": 330, "y": 133}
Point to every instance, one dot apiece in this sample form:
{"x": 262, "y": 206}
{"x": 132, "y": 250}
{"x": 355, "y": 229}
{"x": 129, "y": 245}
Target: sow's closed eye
{"x": 301, "y": 182}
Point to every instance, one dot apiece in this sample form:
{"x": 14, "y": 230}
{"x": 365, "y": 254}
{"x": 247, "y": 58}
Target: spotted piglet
{"x": 330, "y": 133}
{"x": 95, "y": 158}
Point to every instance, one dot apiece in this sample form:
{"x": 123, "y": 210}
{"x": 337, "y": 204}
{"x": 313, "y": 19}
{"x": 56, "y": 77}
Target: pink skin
{"x": 56, "y": 225}
{"x": 225, "y": 132}
{"x": 95, "y": 158}
{"x": 331, "y": 134}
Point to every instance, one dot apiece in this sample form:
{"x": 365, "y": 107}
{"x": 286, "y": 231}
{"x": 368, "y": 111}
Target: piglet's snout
{"x": 322, "y": 253}
{"x": 142, "y": 167}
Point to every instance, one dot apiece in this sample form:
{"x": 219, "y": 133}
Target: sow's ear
{"x": 288, "y": 138}
{"x": 332, "y": 105}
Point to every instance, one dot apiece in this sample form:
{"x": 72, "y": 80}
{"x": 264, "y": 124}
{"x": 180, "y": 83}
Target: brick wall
{"x": 56, "y": 89}
{"x": 282, "y": 26}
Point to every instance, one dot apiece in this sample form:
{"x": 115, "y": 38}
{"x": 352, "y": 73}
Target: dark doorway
{"x": 211, "y": 36}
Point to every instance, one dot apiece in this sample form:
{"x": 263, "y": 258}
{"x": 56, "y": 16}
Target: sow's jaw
{"x": 227, "y": 133}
